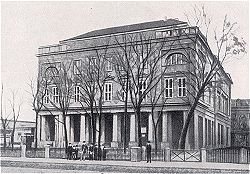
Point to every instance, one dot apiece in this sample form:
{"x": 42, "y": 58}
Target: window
{"x": 182, "y": 87}
{"x": 109, "y": 64}
{"x": 143, "y": 87}
{"x": 175, "y": 58}
{"x": 55, "y": 95}
{"x": 77, "y": 66}
{"x": 77, "y": 93}
{"x": 108, "y": 92}
{"x": 169, "y": 88}
{"x": 46, "y": 96}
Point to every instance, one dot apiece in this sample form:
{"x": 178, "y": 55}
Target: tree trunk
{"x": 93, "y": 123}
{"x": 138, "y": 114}
{"x": 65, "y": 132}
{"x": 12, "y": 135}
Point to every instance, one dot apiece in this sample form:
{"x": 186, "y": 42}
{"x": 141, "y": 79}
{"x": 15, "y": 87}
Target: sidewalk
{"x": 126, "y": 166}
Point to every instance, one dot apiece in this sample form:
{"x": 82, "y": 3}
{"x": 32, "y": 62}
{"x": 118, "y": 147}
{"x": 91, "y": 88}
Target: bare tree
{"x": 204, "y": 65}
{"x": 137, "y": 51}
{"x": 37, "y": 92}
{"x": 15, "y": 115}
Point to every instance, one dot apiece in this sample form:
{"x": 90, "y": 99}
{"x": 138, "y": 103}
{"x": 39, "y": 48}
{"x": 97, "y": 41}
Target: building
{"x": 210, "y": 126}
{"x": 24, "y": 133}
{"x": 240, "y": 109}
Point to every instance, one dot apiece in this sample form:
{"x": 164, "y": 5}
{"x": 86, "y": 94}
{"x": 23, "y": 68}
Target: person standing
{"x": 148, "y": 149}
{"x": 69, "y": 151}
{"x": 83, "y": 151}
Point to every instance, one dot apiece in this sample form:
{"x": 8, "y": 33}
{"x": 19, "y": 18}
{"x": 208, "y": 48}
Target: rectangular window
{"x": 108, "y": 92}
{"x": 169, "y": 88}
{"x": 77, "y": 93}
{"x": 143, "y": 88}
{"x": 46, "y": 96}
{"x": 182, "y": 87}
{"x": 109, "y": 64}
{"x": 179, "y": 59}
{"x": 55, "y": 95}
{"x": 77, "y": 66}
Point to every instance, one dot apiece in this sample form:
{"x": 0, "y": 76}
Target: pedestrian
{"x": 69, "y": 151}
{"x": 103, "y": 153}
{"x": 91, "y": 151}
{"x": 84, "y": 149}
{"x": 95, "y": 152}
{"x": 148, "y": 149}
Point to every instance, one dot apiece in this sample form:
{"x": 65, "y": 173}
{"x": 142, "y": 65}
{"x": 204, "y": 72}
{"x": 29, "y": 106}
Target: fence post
{"x": 23, "y": 151}
{"x": 203, "y": 155}
{"x": 243, "y": 156}
{"x": 167, "y": 154}
{"x": 136, "y": 154}
{"x": 47, "y": 151}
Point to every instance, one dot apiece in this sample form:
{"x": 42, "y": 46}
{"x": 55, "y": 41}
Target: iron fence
{"x": 181, "y": 155}
{"x": 57, "y": 153}
{"x": 35, "y": 153}
{"x": 117, "y": 154}
{"x": 9, "y": 152}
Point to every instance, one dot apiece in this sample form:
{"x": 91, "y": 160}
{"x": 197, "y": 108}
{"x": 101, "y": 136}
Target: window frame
{"x": 182, "y": 86}
{"x": 169, "y": 88}
{"x": 46, "y": 96}
{"x": 108, "y": 90}
{"x": 77, "y": 67}
{"x": 77, "y": 94}
{"x": 55, "y": 94}
{"x": 108, "y": 65}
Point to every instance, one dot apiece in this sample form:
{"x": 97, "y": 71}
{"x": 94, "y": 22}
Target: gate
{"x": 185, "y": 155}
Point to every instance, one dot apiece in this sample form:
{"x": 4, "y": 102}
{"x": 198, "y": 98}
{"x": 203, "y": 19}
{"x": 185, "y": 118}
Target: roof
{"x": 21, "y": 124}
{"x": 128, "y": 28}
{"x": 240, "y": 102}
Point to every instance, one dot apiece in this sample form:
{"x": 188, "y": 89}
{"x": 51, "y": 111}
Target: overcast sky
{"x": 27, "y": 25}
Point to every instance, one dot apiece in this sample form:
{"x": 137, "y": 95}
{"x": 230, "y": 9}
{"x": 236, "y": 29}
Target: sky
{"x": 25, "y": 26}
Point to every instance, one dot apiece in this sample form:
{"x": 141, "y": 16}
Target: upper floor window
{"x": 169, "y": 88}
{"x": 46, "y": 96}
{"x": 77, "y": 66}
{"x": 182, "y": 87}
{"x": 55, "y": 95}
{"x": 108, "y": 92}
{"x": 77, "y": 94}
{"x": 109, "y": 64}
{"x": 143, "y": 88}
{"x": 176, "y": 58}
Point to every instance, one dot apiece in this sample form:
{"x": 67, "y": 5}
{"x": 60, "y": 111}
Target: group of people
{"x": 84, "y": 151}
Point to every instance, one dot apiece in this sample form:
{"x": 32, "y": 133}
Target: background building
{"x": 240, "y": 122}
{"x": 183, "y": 51}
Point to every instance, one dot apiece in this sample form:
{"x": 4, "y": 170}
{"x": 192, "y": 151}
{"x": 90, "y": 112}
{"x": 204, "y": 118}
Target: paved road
{"x": 67, "y": 166}
{"x": 35, "y": 170}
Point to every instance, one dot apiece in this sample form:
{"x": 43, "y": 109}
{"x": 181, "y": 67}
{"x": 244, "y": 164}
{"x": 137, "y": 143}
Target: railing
{"x": 229, "y": 155}
{"x": 57, "y": 153}
{"x": 38, "y": 153}
{"x": 8, "y": 152}
{"x": 185, "y": 155}
{"x": 117, "y": 154}
{"x": 157, "y": 156}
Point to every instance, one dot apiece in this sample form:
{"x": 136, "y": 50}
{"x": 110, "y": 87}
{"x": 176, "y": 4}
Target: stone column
{"x": 38, "y": 130}
{"x": 61, "y": 131}
{"x": 114, "y": 142}
{"x": 103, "y": 130}
{"x": 166, "y": 130}
{"x": 68, "y": 127}
{"x": 72, "y": 129}
{"x": 132, "y": 130}
{"x": 187, "y": 145}
{"x": 151, "y": 127}
{"x": 43, "y": 136}
{"x": 204, "y": 131}
{"x": 196, "y": 136}
{"x": 82, "y": 129}
{"x": 47, "y": 151}
{"x": 87, "y": 129}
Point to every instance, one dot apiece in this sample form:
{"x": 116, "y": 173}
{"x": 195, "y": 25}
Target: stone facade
{"x": 210, "y": 126}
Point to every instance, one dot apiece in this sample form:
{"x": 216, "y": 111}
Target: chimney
{"x": 165, "y": 18}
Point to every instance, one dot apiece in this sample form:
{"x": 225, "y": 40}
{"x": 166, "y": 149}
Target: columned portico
{"x": 43, "y": 136}
{"x": 116, "y": 130}
{"x": 68, "y": 127}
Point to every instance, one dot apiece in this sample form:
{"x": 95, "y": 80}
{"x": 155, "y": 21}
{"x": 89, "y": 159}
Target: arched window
{"x": 176, "y": 58}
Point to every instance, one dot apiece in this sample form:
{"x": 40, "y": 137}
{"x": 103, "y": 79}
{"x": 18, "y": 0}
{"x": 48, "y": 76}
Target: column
{"x": 72, "y": 129}
{"x": 114, "y": 142}
{"x": 204, "y": 131}
{"x": 87, "y": 129}
{"x": 187, "y": 145}
{"x": 103, "y": 130}
{"x": 151, "y": 127}
{"x": 43, "y": 128}
{"x": 38, "y": 130}
{"x": 61, "y": 131}
{"x": 97, "y": 128}
{"x": 82, "y": 129}
{"x": 166, "y": 130}
{"x": 196, "y": 137}
{"x": 56, "y": 131}
{"x": 68, "y": 127}
{"x": 132, "y": 130}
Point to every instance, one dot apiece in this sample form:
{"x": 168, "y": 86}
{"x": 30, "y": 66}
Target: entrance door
{"x": 144, "y": 128}
{"x": 177, "y": 124}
